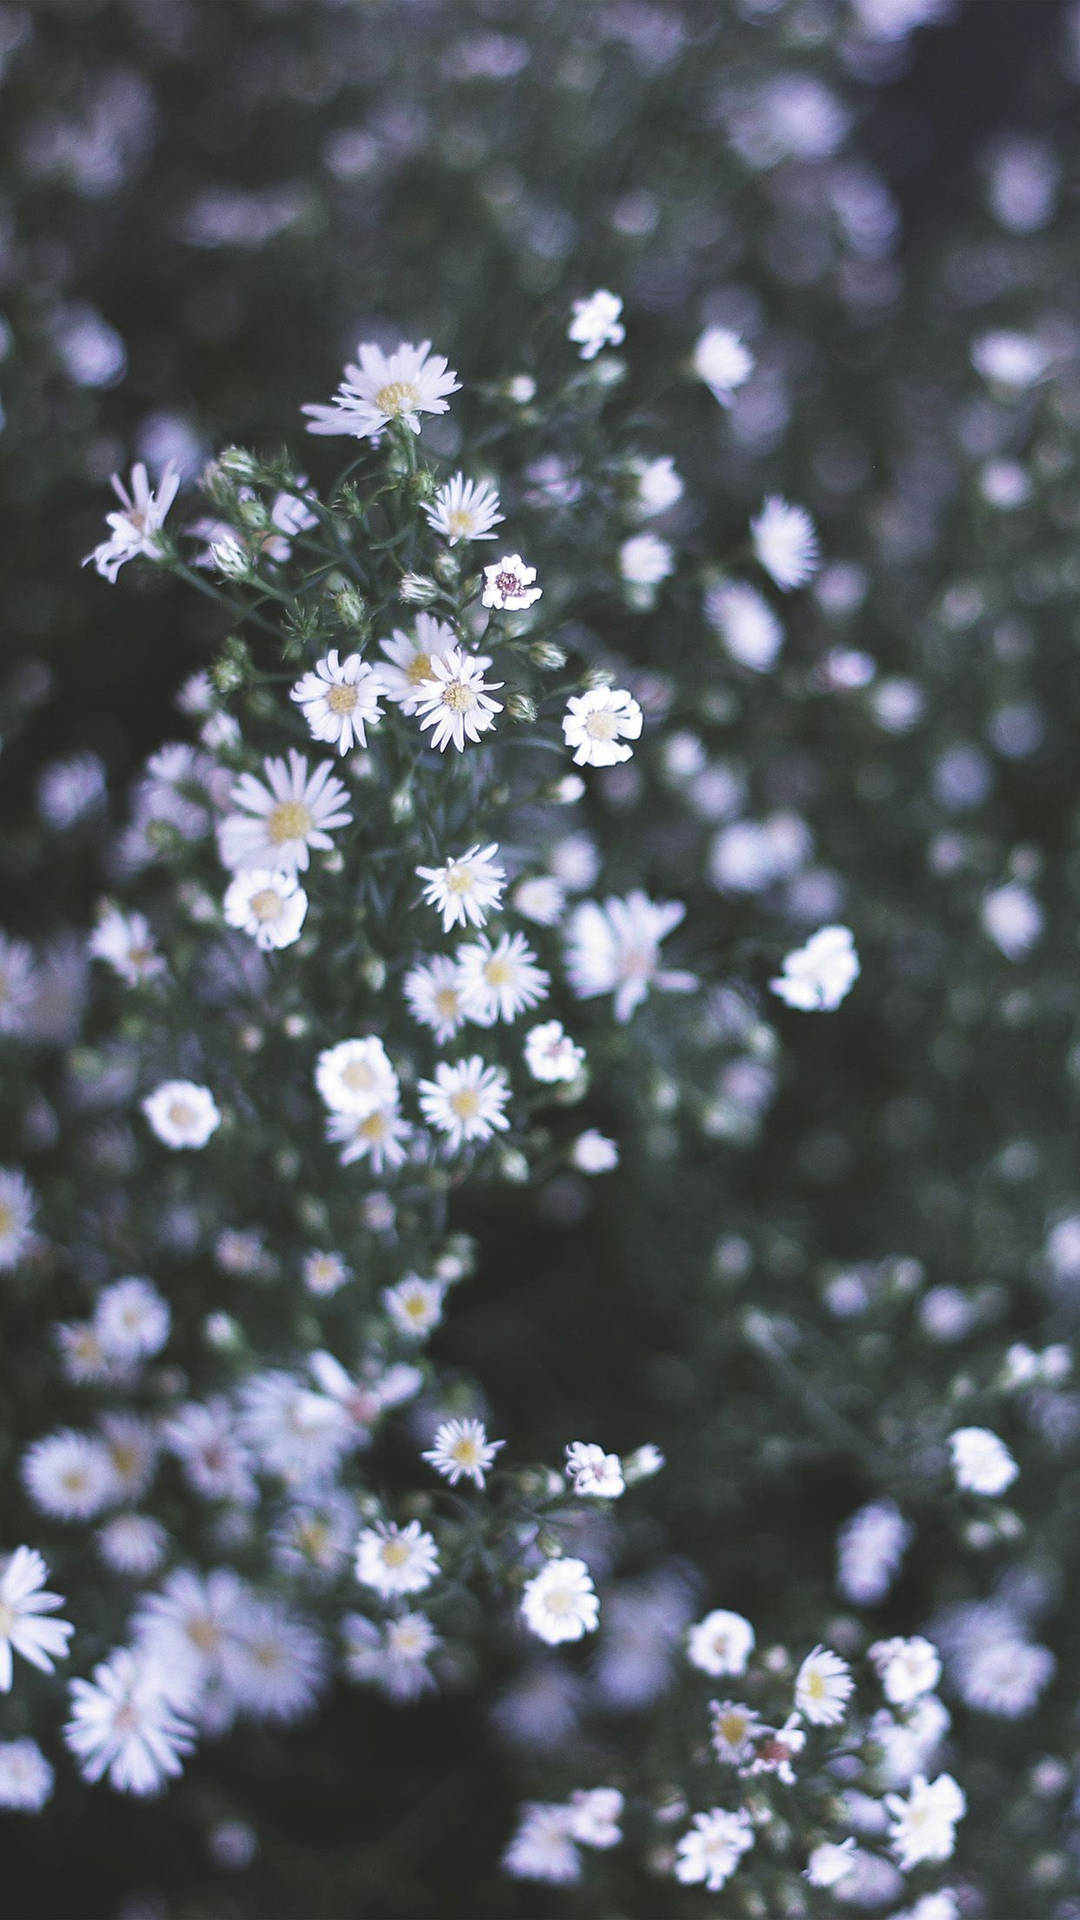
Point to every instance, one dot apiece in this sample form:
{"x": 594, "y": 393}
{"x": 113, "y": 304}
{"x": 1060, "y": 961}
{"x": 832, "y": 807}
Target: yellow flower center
{"x": 559, "y": 1600}
{"x": 7, "y": 1621}
{"x": 446, "y": 1002}
{"x": 460, "y": 523}
{"x": 266, "y": 904}
{"x": 374, "y": 1128}
{"x": 359, "y": 1077}
{"x": 313, "y": 1538}
{"x": 466, "y": 1452}
{"x": 602, "y": 725}
{"x": 290, "y": 820}
{"x": 459, "y": 880}
{"x": 342, "y": 698}
{"x": 125, "y": 1460}
{"x": 394, "y": 1553}
{"x": 398, "y": 396}
{"x": 418, "y": 669}
{"x": 465, "y": 1103}
{"x": 499, "y": 973}
{"x": 815, "y": 1684}
{"x": 203, "y": 1634}
{"x": 182, "y": 1113}
{"x": 7, "y": 1220}
{"x": 732, "y": 1727}
{"x": 416, "y": 1307}
{"x": 458, "y": 696}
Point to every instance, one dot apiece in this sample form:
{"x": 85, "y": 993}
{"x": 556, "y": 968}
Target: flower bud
{"x": 230, "y": 559}
{"x": 546, "y": 655}
{"x": 252, "y": 514}
{"x": 350, "y": 606}
{"x": 417, "y": 589}
{"x": 401, "y": 805}
{"x": 238, "y": 462}
{"x": 514, "y": 1167}
{"x": 521, "y": 707}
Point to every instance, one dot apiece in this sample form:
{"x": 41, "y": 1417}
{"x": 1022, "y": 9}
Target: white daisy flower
{"x": 461, "y": 1450}
{"x": 408, "y": 658}
{"x": 271, "y": 907}
{"x": 712, "y": 1849}
{"x": 385, "y": 387}
{"x": 923, "y": 1827}
{"x": 356, "y": 1077}
{"x": 361, "y": 1401}
{"x": 659, "y": 486}
{"x": 785, "y": 542}
{"x": 132, "y": 1544}
{"x": 213, "y": 1457}
{"x": 592, "y": 1473}
{"x": 830, "y": 1863}
{"x": 594, "y": 1816}
{"x": 381, "y": 1136}
{"x": 819, "y": 975}
{"x": 508, "y": 584}
{"x": 543, "y": 1848}
{"x": 433, "y": 992}
{"x": 456, "y": 702}
{"x": 464, "y": 510}
{"x": 465, "y": 1101}
{"x": 596, "y": 723}
{"x": 541, "y": 899}
{"x": 907, "y": 1668}
{"x": 596, "y": 323}
{"x": 721, "y": 1643}
{"x": 616, "y": 949}
{"x": 466, "y": 888}
{"x": 593, "y": 1152}
{"x": 18, "y": 984}
{"x": 132, "y": 1445}
{"x": 551, "y": 1055}
{"x": 23, "y": 1602}
{"x": 723, "y": 361}
{"x": 17, "y": 1209}
{"x": 981, "y": 1462}
{"x": 135, "y": 529}
{"x": 123, "y": 1722}
{"x": 645, "y": 560}
{"x": 182, "y": 1114}
{"x": 69, "y": 1475}
{"x": 869, "y": 1549}
{"x": 749, "y": 629}
{"x": 394, "y": 1559}
{"x": 823, "y": 1687}
{"x": 276, "y": 1665}
{"x": 124, "y": 941}
{"x": 26, "y": 1778}
{"x": 315, "y": 1537}
{"x": 324, "y": 1273}
{"x": 131, "y": 1320}
{"x": 499, "y": 982}
{"x": 284, "y": 819}
{"x": 559, "y": 1603}
{"x": 394, "y": 1656}
{"x": 299, "y": 1435}
{"x": 414, "y": 1305}
{"x": 339, "y": 700}
{"x": 82, "y": 1355}
{"x": 733, "y": 1729}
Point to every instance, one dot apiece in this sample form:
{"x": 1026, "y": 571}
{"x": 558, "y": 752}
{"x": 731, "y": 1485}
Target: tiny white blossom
{"x": 749, "y": 629}
{"x": 137, "y": 526}
{"x": 593, "y": 1152}
{"x": 733, "y": 1729}
{"x": 26, "y": 1778}
{"x": 594, "y": 1816}
{"x": 456, "y": 701}
{"x": 559, "y": 1603}
{"x": 830, "y": 1863}
{"x": 551, "y": 1055}
{"x": 340, "y": 700}
{"x": 133, "y": 1544}
{"x": 17, "y": 1209}
{"x": 465, "y": 1100}
{"x": 414, "y": 1305}
{"x": 659, "y": 486}
{"x": 786, "y": 543}
{"x": 819, "y": 975}
{"x": 356, "y": 1076}
{"x": 433, "y": 992}
{"x": 182, "y": 1114}
{"x": 596, "y": 323}
{"x": 394, "y": 1559}
{"x": 131, "y": 1320}
{"x": 461, "y": 1450}
{"x": 981, "y": 1462}
{"x": 721, "y": 1643}
{"x": 125, "y": 942}
{"x": 23, "y": 1603}
{"x": 923, "y": 1827}
{"x": 271, "y": 907}
{"x": 645, "y": 560}
{"x": 616, "y": 949}
{"x": 381, "y": 1136}
{"x": 324, "y": 1273}
{"x": 498, "y": 982}
{"x": 541, "y": 899}
{"x": 594, "y": 1473}
{"x": 907, "y": 1668}
{"x": 464, "y": 510}
{"x": 723, "y": 361}
{"x": 466, "y": 888}
{"x": 597, "y": 723}
{"x": 508, "y": 584}
{"x": 869, "y": 1549}
{"x": 407, "y": 659}
{"x": 284, "y": 819}
{"x": 543, "y": 1848}
{"x": 823, "y": 1687}
{"x": 124, "y": 1722}
{"x": 385, "y": 387}
{"x": 712, "y": 1849}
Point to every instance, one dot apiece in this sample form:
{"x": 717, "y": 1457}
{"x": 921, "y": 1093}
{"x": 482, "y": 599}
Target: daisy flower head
{"x": 659, "y": 486}
{"x": 823, "y": 1687}
{"x": 592, "y": 1473}
{"x": 69, "y": 1475}
{"x": 508, "y": 584}
{"x": 723, "y": 362}
{"x": 592, "y": 1152}
{"x": 785, "y": 543}
{"x": 299, "y": 1435}
{"x": 461, "y": 1450}
{"x": 132, "y": 1544}
{"x": 415, "y": 1305}
{"x": 541, "y": 899}
{"x": 23, "y": 1603}
{"x": 981, "y": 1462}
{"x": 324, "y": 1273}
{"x": 498, "y": 982}
{"x": 712, "y": 1849}
{"x": 466, "y": 888}
{"x": 596, "y": 724}
{"x": 616, "y": 949}
{"x": 136, "y": 528}
{"x": 381, "y": 1136}
{"x": 124, "y": 941}
{"x": 356, "y": 1076}
{"x": 464, "y": 510}
{"x": 456, "y": 701}
{"x": 748, "y": 628}
{"x": 465, "y": 1101}
{"x": 182, "y": 1114}
{"x": 284, "y": 817}
{"x": 907, "y": 1668}
{"x": 131, "y": 1320}
{"x": 830, "y": 1863}
{"x": 551, "y": 1055}
{"x": 276, "y": 1664}
{"x": 721, "y": 1643}
{"x": 433, "y": 992}
{"x": 270, "y": 907}
{"x": 815, "y": 978}
{"x": 596, "y": 323}
{"x": 594, "y": 1816}
{"x": 26, "y": 1778}
{"x": 385, "y": 387}
{"x": 733, "y": 1729}
{"x": 339, "y": 700}
{"x": 124, "y": 1722}
{"x": 559, "y": 1603}
{"x": 17, "y": 1209}
{"x": 645, "y": 560}
{"x": 407, "y": 659}
{"x": 923, "y": 1827}
{"x": 394, "y": 1559}
{"x": 543, "y": 1848}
